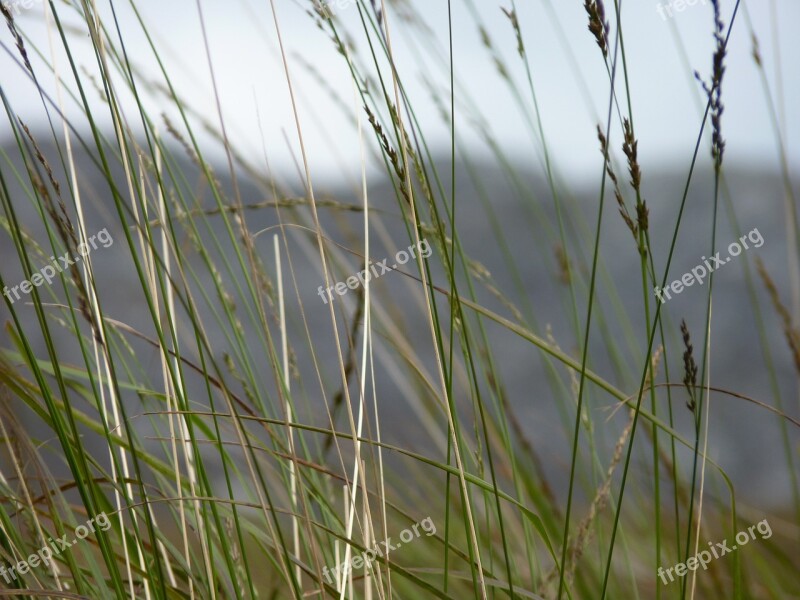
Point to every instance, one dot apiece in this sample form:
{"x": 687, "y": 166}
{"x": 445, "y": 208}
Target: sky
{"x": 569, "y": 79}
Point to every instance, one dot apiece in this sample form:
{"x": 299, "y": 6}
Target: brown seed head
{"x": 597, "y": 23}
{"x": 690, "y": 367}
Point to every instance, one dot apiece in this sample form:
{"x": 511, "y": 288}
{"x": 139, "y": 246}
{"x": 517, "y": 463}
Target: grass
{"x": 244, "y": 437}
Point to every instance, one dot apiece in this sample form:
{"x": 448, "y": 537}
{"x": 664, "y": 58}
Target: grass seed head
{"x": 597, "y": 23}
{"x": 690, "y": 366}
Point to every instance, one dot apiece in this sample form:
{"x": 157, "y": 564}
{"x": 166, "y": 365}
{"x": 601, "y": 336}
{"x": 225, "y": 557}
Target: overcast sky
{"x": 255, "y": 101}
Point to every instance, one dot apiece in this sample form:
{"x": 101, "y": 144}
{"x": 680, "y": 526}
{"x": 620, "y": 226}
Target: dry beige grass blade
{"x": 167, "y": 381}
{"x": 148, "y": 254}
{"x": 314, "y": 359}
{"x": 705, "y": 442}
{"x": 102, "y": 357}
{"x": 246, "y": 238}
{"x": 288, "y": 408}
{"x": 321, "y": 248}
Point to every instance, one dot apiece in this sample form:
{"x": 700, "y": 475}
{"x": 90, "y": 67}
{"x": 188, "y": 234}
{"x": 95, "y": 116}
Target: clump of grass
{"x": 240, "y": 436}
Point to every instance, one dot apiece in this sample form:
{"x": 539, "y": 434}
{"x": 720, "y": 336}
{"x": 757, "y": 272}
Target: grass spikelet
{"x": 598, "y": 24}
{"x": 789, "y": 330}
{"x": 391, "y": 153}
{"x": 714, "y": 89}
{"x": 623, "y": 208}
{"x": 6, "y": 12}
{"x": 512, "y": 16}
{"x": 689, "y": 367}
{"x": 63, "y": 225}
{"x": 631, "y": 149}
